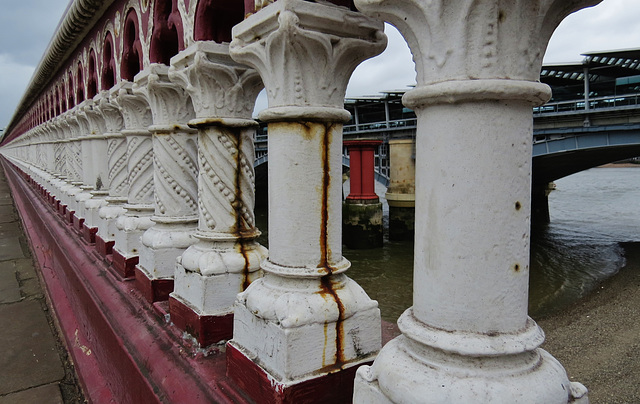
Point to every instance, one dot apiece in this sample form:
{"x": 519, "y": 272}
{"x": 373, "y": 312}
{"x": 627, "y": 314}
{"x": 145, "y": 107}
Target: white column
{"x": 175, "y": 170}
{"x": 118, "y": 186}
{"x": 226, "y": 258}
{"x": 72, "y": 129}
{"x": 140, "y": 204}
{"x": 468, "y": 337}
{"x": 106, "y": 123}
{"x": 305, "y": 316}
{"x": 94, "y": 165}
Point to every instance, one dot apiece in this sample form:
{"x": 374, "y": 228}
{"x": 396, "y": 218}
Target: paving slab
{"x": 9, "y": 286}
{"x": 8, "y": 214}
{"x": 10, "y": 248}
{"x": 10, "y": 229}
{"x": 27, "y": 278}
{"x": 5, "y": 198}
{"x": 28, "y": 354}
{"x": 48, "y": 394}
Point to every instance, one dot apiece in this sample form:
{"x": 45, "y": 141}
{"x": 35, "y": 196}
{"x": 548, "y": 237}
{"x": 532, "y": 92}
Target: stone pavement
{"x": 34, "y": 364}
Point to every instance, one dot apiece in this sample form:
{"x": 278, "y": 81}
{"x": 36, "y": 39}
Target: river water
{"x": 592, "y": 212}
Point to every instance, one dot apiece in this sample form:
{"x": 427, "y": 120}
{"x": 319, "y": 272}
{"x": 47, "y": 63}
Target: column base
{"x": 430, "y": 365}
{"x": 206, "y": 329}
{"x": 77, "y": 222}
{"x": 306, "y": 326}
{"x": 123, "y": 265}
{"x": 104, "y": 247}
{"x": 153, "y": 289}
{"x": 362, "y": 224}
{"x": 89, "y": 233}
{"x": 68, "y": 215}
{"x": 334, "y": 387}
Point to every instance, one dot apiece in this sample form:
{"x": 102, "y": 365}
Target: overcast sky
{"x": 26, "y": 26}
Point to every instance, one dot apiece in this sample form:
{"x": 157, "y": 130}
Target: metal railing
{"x": 578, "y": 106}
{"x": 406, "y": 123}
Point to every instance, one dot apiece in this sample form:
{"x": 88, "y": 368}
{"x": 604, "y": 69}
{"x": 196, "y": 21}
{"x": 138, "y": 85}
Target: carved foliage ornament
{"x": 475, "y": 39}
{"x": 170, "y": 104}
{"x": 219, "y": 87}
{"x": 306, "y": 52}
{"x": 134, "y": 107}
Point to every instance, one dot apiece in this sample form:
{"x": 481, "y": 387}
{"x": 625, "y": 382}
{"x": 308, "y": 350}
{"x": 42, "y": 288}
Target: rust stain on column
{"x": 324, "y": 213}
{"x": 326, "y": 288}
{"x": 240, "y": 227}
{"x": 326, "y": 282}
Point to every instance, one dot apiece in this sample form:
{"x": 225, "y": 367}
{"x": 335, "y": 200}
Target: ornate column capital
{"x": 479, "y": 39}
{"x": 133, "y": 106}
{"x": 170, "y": 104}
{"x": 305, "y": 53}
{"x": 108, "y": 111}
{"x": 219, "y": 87}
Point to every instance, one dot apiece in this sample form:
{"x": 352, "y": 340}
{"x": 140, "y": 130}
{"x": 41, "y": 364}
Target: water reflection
{"x": 591, "y": 213}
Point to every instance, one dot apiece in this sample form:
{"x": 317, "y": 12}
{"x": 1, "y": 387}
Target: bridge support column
{"x": 362, "y": 210}
{"x": 139, "y": 207}
{"x": 540, "y": 203}
{"x": 302, "y": 329}
{"x": 226, "y": 258}
{"x": 468, "y": 337}
{"x": 175, "y": 170}
{"x": 401, "y": 193}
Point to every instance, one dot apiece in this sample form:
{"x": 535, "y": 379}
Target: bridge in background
{"x": 129, "y": 158}
{"x": 592, "y": 119}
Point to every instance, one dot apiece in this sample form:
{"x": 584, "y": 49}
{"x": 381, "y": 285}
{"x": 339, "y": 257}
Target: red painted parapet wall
{"x": 123, "y": 347}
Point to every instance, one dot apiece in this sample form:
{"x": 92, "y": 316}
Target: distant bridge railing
{"x": 408, "y": 123}
{"x": 570, "y": 139}
{"x": 579, "y": 106}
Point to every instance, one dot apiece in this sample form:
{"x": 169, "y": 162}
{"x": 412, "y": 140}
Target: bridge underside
{"x": 554, "y": 166}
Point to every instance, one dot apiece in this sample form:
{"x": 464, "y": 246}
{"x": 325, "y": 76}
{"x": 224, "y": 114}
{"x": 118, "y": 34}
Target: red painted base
{"x": 206, "y": 330}
{"x": 125, "y": 267}
{"x": 103, "y": 247}
{"x": 77, "y": 222}
{"x": 89, "y": 233}
{"x": 153, "y": 290}
{"x": 263, "y": 389}
{"x": 68, "y": 216}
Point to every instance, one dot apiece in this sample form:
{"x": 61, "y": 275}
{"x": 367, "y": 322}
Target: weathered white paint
{"x": 175, "y": 172}
{"x": 468, "y": 337}
{"x": 140, "y": 205}
{"x": 226, "y": 257}
{"x": 308, "y": 314}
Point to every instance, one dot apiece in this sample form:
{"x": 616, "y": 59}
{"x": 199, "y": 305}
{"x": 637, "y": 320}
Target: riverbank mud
{"x": 597, "y": 338}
